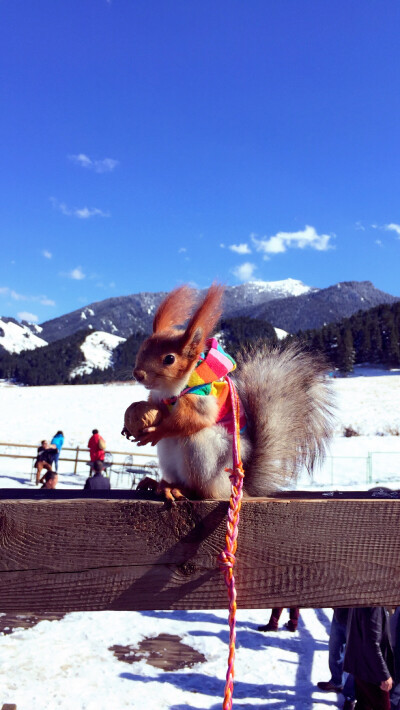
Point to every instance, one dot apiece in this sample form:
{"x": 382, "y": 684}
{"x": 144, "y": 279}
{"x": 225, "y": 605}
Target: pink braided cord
{"x": 227, "y": 558}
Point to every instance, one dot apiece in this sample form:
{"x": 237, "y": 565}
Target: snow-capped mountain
{"x": 288, "y": 304}
{"x": 320, "y": 307}
{"x": 16, "y": 337}
{"x": 97, "y": 349}
{"x": 125, "y": 315}
{"x": 256, "y": 293}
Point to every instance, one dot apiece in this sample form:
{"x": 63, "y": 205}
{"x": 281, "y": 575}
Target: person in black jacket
{"x": 97, "y": 482}
{"x": 46, "y": 454}
{"x": 369, "y": 657}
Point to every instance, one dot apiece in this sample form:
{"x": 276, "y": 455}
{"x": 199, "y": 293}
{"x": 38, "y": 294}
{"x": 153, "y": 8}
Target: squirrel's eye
{"x": 169, "y": 359}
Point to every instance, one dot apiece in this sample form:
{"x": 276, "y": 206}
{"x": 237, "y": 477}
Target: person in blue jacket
{"x": 58, "y": 440}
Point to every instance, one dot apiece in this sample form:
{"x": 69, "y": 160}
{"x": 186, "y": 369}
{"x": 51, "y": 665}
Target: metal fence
{"x": 373, "y": 468}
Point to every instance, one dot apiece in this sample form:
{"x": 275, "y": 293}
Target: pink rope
{"x": 227, "y": 558}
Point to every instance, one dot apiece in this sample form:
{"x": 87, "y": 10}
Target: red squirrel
{"x": 286, "y": 404}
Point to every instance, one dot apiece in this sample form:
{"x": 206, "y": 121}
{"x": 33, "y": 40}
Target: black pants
{"x": 369, "y": 696}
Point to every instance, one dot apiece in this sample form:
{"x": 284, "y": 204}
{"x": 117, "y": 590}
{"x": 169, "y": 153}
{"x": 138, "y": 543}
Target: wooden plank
{"x": 70, "y": 551}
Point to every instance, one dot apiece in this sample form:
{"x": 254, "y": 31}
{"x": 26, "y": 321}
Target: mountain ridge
{"x": 289, "y": 305}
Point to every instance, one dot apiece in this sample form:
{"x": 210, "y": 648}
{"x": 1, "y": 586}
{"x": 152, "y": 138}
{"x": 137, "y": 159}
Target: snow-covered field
{"x": 68, "y": 663}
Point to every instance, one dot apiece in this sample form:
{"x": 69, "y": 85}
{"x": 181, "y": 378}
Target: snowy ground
{"x": 67, "y": 663}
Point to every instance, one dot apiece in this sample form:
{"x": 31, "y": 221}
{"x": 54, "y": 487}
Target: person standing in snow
{"x": 96, "y": 446}
{"x": 291, "y": 625}
{"x": 58, "y": 441}
{"x": 337, "y": 645}
{"x": 369, "y": 656}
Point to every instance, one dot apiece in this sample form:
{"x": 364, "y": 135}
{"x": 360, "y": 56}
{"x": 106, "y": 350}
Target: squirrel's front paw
{"x": 151, "y": 435}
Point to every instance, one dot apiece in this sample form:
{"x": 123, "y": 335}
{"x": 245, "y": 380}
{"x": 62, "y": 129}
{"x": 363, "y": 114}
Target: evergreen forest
{"x": 367, "y": 337}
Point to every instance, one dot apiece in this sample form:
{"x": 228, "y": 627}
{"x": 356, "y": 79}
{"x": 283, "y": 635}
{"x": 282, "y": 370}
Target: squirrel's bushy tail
{"x": 289, "y": 407}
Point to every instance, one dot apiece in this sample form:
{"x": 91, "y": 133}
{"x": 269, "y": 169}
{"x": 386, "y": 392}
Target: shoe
{"x": 349, "y": 704}
{"x": 328, "y": 687}
{"x": 290, "y": 626}
{"x": 268, "y": 627}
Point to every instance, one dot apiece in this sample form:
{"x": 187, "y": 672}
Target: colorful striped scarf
{"x": 208, "y": 378}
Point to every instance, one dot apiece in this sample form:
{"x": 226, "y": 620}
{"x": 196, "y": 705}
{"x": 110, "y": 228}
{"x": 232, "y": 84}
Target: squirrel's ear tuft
{"x": 192, "y": 347}
{"x": 204, "y": 318}
{"x": 174, "y": 310}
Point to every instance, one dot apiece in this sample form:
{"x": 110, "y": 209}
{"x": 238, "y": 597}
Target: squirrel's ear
{"x": 204, "y": 318}
{"x": 174, "y": 309}
{"x": 194, "y": 345}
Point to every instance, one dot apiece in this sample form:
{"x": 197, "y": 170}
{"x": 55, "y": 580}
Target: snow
{"x": 291, "y": 287}
{"x": 36, "y": 327}
{"x": 18, "y": 337}
{"x": 97, "y": 349}
{"x": 280, "y": 334}
{"x": 64, "y": 664}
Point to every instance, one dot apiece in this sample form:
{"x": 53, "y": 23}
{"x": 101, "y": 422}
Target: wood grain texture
{"x": 60, "y": 554}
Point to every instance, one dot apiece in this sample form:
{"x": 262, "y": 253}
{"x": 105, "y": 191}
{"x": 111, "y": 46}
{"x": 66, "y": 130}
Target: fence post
{"x": 369, "y": 467}
{"x": 76, "y": 459}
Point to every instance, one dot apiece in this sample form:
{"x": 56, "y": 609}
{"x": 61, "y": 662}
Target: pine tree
{"x": 346, "y": 352}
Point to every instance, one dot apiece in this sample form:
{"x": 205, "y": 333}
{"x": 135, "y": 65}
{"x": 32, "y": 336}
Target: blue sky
{"x": 146, "y": 143}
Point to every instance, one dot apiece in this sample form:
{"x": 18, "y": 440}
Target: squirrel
{"x": 285, "y": 401}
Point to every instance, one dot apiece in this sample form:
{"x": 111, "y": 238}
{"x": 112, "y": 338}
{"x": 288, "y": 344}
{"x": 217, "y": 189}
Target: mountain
{"x": 288, "y": 305}
{"x": 256, "y": 293}
{"x": 125, "y": 315}
{"x": 317, "y": 308}
{"x": 16, "y": 337}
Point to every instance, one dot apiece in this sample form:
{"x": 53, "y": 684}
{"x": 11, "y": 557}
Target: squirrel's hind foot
{"x": 167, "y": 490}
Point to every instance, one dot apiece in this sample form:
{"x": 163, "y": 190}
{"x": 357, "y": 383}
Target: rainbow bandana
{"x": 208, "y": 378}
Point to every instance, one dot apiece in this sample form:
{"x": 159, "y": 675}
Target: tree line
{"x": 367, "y": 337}
{"x": 371, "y": 336}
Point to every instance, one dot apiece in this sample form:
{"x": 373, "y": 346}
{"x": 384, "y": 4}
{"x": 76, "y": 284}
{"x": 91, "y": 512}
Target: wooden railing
{"x": 64, "y": 551}
{"x": 77, "y": 450}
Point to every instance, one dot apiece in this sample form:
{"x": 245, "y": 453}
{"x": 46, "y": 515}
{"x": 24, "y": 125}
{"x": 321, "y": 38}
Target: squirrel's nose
{"x": 139, "y": 375}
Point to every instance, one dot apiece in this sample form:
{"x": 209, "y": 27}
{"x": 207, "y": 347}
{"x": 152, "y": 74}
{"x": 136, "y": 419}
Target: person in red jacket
{"x": 96, "y": 446}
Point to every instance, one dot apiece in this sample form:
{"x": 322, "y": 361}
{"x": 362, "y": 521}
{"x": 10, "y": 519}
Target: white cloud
{"x": 392, "y": 227}
{"x": 47, "y": 254}
{"x": 360, "y": 227}
{"x": 182, "y": 250}
{"x": 86, "y": 212}
{"x": 19, "y": 296}
{"x": 245, "y": 271}
{"x": 81, "y": 213}
{"x": 107, "y": 165}
{"x": 240, "y": 248}
{"x": 282, "y": 241}
{"x": 379, "y": 242}
{"x": 76, "y": 274}
{"x": 6, "y": 291}
{"x": 30, "y": 317}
